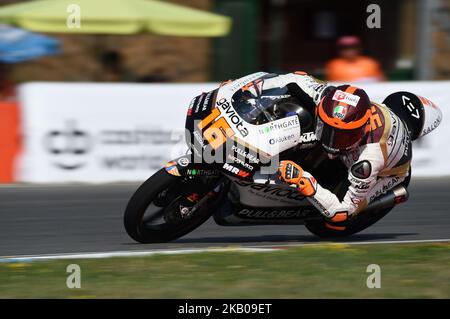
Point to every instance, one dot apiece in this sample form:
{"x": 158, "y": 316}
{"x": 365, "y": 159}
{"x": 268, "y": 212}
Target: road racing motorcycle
{"x": 235, "y": 141}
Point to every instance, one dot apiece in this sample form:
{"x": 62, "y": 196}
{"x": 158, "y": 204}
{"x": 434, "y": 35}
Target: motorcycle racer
{"x": 355, "y": 158}
{"x": 369, "y": 138}
{"x": 372, "y": 142}
{"x": 352, "y": 159}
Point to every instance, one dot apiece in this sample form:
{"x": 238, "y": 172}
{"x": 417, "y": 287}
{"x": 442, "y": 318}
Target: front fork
{"x": 212, "y": 183}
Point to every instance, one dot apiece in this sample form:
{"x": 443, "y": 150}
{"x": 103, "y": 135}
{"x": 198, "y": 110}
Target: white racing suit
{"x": 374, "y": 168}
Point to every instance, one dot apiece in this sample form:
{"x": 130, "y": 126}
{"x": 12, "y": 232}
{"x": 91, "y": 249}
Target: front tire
{"x": 148, "y": 194}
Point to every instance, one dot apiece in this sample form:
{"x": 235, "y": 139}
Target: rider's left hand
{"x": 292, "y": 173}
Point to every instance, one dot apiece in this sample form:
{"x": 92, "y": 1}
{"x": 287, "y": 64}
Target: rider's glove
{"x": 293, "y": 174}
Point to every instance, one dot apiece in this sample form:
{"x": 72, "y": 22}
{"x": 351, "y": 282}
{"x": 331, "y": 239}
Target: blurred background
{"x": 272, "y": 35}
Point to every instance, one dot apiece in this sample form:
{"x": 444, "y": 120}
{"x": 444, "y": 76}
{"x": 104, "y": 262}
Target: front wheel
{"x": 162, "y": 208}
{"x": 359, "y": 223}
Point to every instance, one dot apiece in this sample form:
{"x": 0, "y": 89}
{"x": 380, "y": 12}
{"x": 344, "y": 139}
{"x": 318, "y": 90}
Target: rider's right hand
{"x": 293, "y": 174}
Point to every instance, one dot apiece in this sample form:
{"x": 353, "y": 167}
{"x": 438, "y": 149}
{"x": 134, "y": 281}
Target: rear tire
{"x": 145, "y": 195}
{"x": 359, "y": 223}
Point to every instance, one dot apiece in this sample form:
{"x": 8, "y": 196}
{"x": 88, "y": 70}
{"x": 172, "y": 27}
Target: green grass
{"x": 316, "y": 271}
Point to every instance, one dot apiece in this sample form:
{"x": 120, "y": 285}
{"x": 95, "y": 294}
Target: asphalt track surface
{"x": 59, "y": 219}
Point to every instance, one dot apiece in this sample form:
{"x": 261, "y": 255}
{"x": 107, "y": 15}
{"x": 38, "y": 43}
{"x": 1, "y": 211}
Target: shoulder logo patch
{"x": 362, "y": 169}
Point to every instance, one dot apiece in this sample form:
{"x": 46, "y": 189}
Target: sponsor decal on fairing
{"x": 239, "y": 161}
{"x": 183, "y": 161}
{"x": 271, "y": 213}
{"x": 248, "y": 155}
{"x": 228, "y": 111}
{"x": 234, "y": 170}
{"x": 280, "y": 125}
{"x": 263, "y": 190}
{"x": 172, "y": 169}
{"x": 281, "y": 139}
{"x": 202, "y": 172}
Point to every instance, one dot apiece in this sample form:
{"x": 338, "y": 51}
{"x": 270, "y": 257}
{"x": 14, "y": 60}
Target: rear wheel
{"x": 362, "y": 221}
{"x": 359, "y": 223}
{"x": 166, "y": 207}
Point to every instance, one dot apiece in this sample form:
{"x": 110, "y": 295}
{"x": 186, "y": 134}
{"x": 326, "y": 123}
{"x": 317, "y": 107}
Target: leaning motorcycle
{"x": 235, "y": 141}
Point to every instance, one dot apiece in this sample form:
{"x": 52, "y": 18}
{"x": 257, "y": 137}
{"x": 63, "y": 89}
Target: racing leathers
{"x": 378, "y": 164}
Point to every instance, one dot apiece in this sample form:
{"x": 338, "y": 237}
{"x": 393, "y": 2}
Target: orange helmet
{"x": 341, "y": 118}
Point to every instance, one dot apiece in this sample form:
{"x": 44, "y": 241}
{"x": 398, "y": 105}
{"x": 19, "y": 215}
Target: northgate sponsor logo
{"x": 280, "y": 126}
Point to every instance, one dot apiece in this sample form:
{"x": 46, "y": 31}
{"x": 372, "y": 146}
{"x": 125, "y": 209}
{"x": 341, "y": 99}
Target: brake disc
{"x": 178, "y": 210}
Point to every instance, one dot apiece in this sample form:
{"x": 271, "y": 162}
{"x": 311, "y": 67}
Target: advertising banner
{"x": 431, "y": 152}
{"x": 100, "y": 132}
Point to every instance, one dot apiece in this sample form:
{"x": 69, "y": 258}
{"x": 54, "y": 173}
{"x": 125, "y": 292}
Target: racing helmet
{"x": 341, "y": 118}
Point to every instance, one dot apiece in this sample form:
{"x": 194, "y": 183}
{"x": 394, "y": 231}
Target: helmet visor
{"x": 335, "y": 140}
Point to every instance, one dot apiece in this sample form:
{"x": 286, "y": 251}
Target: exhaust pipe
{"x": 393, "y": 197}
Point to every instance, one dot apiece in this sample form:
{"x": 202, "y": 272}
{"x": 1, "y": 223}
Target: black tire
{"x": 141, "y": 200}
{"x": 359, "y": 223}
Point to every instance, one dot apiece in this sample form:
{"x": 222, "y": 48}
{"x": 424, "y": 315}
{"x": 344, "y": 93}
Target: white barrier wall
{"x": 85, "y": 132}
{"x": 101, "y": 132}
{"x": 431, "y": 153}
